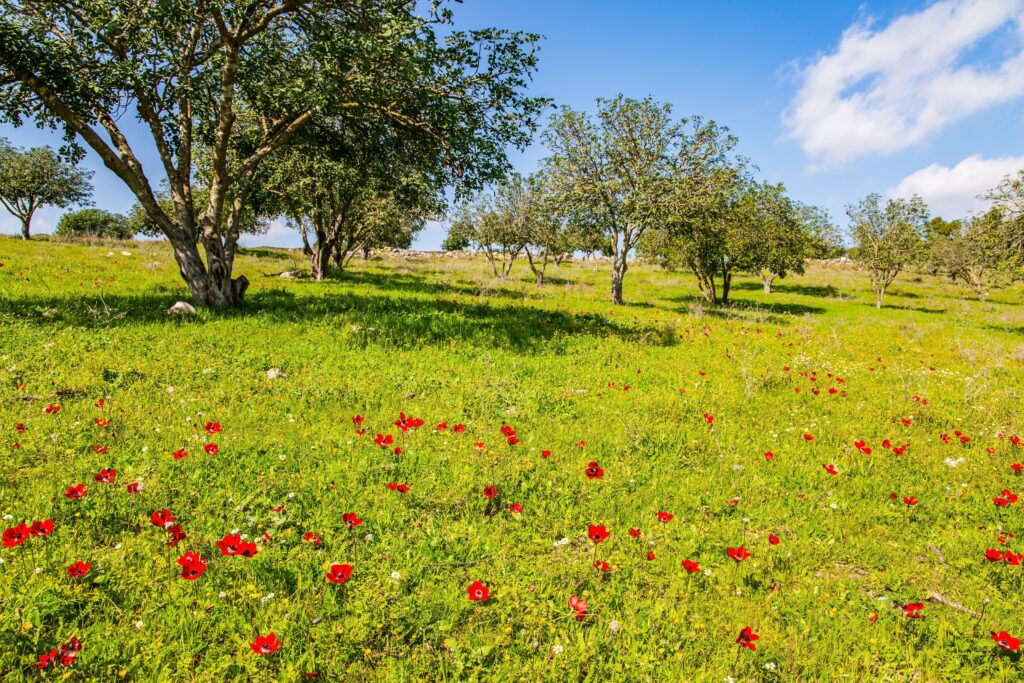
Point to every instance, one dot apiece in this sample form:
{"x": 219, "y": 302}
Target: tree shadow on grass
{"x": 417, "y": 284}
{"x": 826, "y": 291}
{"x": 738, "y": 307}
{"x": 917, "y": 309}
{"x": 363, "y": 316}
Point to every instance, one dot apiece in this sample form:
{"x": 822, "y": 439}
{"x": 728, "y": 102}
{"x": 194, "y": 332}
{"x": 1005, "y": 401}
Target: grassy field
{"x": 805, "y": 373}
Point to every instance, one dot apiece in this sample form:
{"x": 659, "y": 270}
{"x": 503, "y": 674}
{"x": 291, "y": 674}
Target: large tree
{"x": 887, "y": 238}
{"x": 38, "y": 177}
{"x": 238, "y": 78}
{"x": 1008, "y": 199}
{"x": 614, "y": 171}
{"x": 975, "y": 253}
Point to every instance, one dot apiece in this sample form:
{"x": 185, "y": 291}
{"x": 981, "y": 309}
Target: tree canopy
{"x": 30, "y": 179}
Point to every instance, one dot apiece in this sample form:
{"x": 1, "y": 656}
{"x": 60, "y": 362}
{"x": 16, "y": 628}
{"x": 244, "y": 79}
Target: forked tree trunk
{"x": 25, "y": 229}
{"x": 210, "y": 283}
{"x": 766, "y": 281}
{"x": 319, "y": 258}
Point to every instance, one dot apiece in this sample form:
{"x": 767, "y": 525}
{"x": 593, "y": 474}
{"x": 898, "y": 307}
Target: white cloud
{"x": 884, "y": 90}
{"x": 953, "y": 192}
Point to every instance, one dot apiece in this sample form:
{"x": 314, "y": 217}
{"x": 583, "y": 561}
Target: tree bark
{"x": 25, "y": 229}
{"x": 618, "y": 273}
{"x": 767, "y": 283}
{"x": 726, "y": 283}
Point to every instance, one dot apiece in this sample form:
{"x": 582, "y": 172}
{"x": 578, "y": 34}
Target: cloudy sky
{"x": 835, "y": 99}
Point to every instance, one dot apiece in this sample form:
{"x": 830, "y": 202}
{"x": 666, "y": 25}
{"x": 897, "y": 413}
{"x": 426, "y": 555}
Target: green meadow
{"x": 678, "y": 403}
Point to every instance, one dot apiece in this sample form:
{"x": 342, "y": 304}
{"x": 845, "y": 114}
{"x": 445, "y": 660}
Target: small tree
{"x": 613, "y": 172}
{"x": 975, "y": 253}
{"x": 495, "y": 224}
{"x": 38, "y": 177}
{"x": 1008, "y": 199}
{"x": 94, "y": 223}
{"x": 886, "y": 238}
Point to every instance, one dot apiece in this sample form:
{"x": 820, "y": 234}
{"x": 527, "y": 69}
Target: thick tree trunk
{"x": 767, "y": 281}
{"x": 210, "y": 286}
{"x": 318, "y": 261}
{"x": 619, "y": 268}
{"x": 25, "y": 230}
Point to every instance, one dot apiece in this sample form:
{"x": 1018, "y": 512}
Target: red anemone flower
{"x": 769, "y": 456}
{"x": 402, "y": 488}
{"x": 43, "y": 528}
{"x": 545, "y": 454}
{"x": 738, "y": 554}
{"x": 516, "y": 508}
{"x": 161, "y": 518}
{"x": 16, "y": 535}
{"x": 442, "y": 426}
{"x": 192, "y": 566}
{"x": 808, "y": 437}
{"x": 773, "y": 539}
{"x": 831, "y": 469}
{"x": 635, "y": 533}
{"x": 1006, "y": 641}
{"x": 135, "y": 487}
{"x": 357, "y": 420}
{"x": 265, "y": 645}
{"x": 478, "y": 592}
{"x": 691, "y": 567}
{"x": 76, "y": 491}
{"x": 106, "y": 476}
{"x": 910, "y": 500}
{"x": 597, "y": 533}
{"x": 179, "y": 454}
{"x": 46, "y": 659}
{"x": 230, "y": 545}
{"x": 578, "y": 606}
{"x": 351, "y": 520}
{"x": 710, "y": 419}
{"x": 601, "y": 565}
{"x": 665, "y": 517}
{"x": 913, "y": 609}
{"x": 490, "y": 492}
{"x": 339, "y": 573}
{"x": 51, "y": 409}
{"x": 594, "y": 470}
{"x": 746, "y": 639}
{"x": 312, "y": 537}
{"x": 79, "y": 569}
{"x": 211, "y": 449}
{"x": 650, "y": 554}
{"x": 212, "y": 427}
{"x": 176, "y": 534}
{"x": 459, "y": 428}
{"x": 384, "y": 441}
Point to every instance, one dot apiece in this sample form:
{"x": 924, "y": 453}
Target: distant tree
{"x": 483, "y": 223}
{"x": 975, "y": 254}
{"x": 550, "y": 235}
{"x": 1008, "y": 199}
{"x": 887, "y": 238}
{"x": 39, "y": 177}
{"x": 240, "y": 78}
{"x": 94, "y": 223}
{"x": 613, "y": 172}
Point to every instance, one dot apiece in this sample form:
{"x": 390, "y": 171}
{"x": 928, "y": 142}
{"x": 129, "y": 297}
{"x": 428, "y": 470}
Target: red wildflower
{"x": 545, "y": 454}
{"x": 773, "y": 539}
{"x": 601, "y": 566}
{"x": 710, "y": 419}
{"x": 459, "y": 428}
{"x": 650, "y": 555}
{"x": 51, "y": 409}
{"x": 265, "y": 645}
{"x": 808, "y": 437}
{"x": 312, "y": 537}
{"x": 594, "y": 470}
{"x": 746, "y": 639}
{"x": 357, "y": 420}
{"x": 769, "y": 456}
{"x": 76, "y": 491}
{"x": 402, "y": 488}
{"x": 578, "y": 606}
{"x": 68, "y": 651}
{"x": 910, "y": 500}
{"x": 913, "y": 609}
{"x": 831, "y": 469}
{"x": 179, "y": 454}
{"x": 635, "y": 533}
{"x": 738, "y": 554}
{"x": 135, "y": 487}
{"x": 212, "y": 427}
{"x": 691, "y": 567}
{"x": 176, "y": 534}
{"x": 490, "y": 492}
{"x": 43, "y": 528}
{"x": 873, "y": 618}
{"x": 16, "y": 535}
{"x": 351, "y": 520}
{"x": 20, "y": 428}
{"x": 192, "y": 566}
{"x": 406, "y": 423}
{"x": 442, "y": 426}
{"x": 339, "y": 573}
{"x": 478, "y": 592}
{"x": 993, "y": 555}
{"x": 1006, "y": 641}
{"x": 1017, "y": 467}
{"x": 230, "y": 545}
{"x": 597, "y": 533}
{"x": 211, "y": 449}
{"x": 384, "y": 441}
{"x": 479, "y": 445}
{"x": 516, "y": 508}
{"x": 161, "y": 518}
{"x": 79, "y": 569}
{"x": 665, "y": 517}
{"x": 46, "y": 659}
{"x": 106, "y": 476}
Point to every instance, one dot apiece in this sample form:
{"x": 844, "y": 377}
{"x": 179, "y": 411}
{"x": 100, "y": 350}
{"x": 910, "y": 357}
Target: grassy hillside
{"x": 677, "y": 404}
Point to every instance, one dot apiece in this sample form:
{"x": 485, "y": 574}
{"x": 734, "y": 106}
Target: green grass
{"x": 439, "y": 339}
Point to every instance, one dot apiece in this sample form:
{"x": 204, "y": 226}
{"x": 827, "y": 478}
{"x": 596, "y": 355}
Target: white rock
{"x": 274, "y": 373}
{"x": 181, "y": 308}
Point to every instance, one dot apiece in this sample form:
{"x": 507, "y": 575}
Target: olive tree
{"x": 886, "y": 238}
{"x": 30, "y": 179}
{"x": 239, "y": 78}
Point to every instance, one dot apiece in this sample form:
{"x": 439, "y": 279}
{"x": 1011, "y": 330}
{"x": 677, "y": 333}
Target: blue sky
{"x": 835, "y": 99}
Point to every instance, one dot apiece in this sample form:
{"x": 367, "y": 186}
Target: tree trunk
{"x": 618, "y": 273}
{"x": 215, "y": 290}
{"x": 366, "y": 253}
{"x": 879, "y": 293}
{"x": 726, "y": 282}
{"x": 319, "y": 258}
{"x": 25, "y": 229}
{"x": 767, "y": 283}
